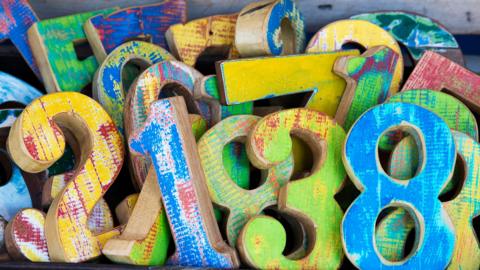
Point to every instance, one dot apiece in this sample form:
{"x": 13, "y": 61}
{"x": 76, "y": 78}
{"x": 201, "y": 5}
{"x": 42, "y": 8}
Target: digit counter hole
{"x": 205, "y": 63}
{"x": 455, "y": 184}
{"x": 131, "y": 70}
{"x": 287, "y": 36}
{"x": 6, "y": 168}
{"x": 174, "y": 89}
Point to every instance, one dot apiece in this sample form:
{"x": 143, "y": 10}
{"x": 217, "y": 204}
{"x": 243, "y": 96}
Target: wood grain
{"x": 270, "y": 28}
{"x": 102, "y": 154}
{"x": 167, "y": 138}
{"x": 17, "y": 16}
{"x": 417, "y": 33}
{"x": 310, "y": 199}
{"x": 369, "y": 79}
{"x": 379, "y": 190}
{"x": 108, "y": 88}
{"x": 53, "y": 46}
{"x": 241, "y": 204}
{"x": 436, "y": 72}
{"x": 107, "y": 32}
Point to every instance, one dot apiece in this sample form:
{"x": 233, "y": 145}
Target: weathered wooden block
{"x": 310, "y": 199}
{"x": 36, "y": 142}
{"x": 379, "y": 190}
{"x": 167, "y": 138}
{"x": 149, "y": 22}
{"x": 365, "y": 34}
{"x": 53, "y": 46}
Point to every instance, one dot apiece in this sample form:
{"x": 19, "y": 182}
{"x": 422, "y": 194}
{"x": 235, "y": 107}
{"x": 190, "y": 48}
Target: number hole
{"x": 131, "y": 70}
{"x": 287, "y": 36}
{"x": 82, "y": 49}
{"x": 455, "y": 184}
{"x": 205, "y": 63}
{"x": 6, "y": 168}
{"x": 352, "y": 45}
{"x": 246, "y": 179}
{"x": 174, "y": 89}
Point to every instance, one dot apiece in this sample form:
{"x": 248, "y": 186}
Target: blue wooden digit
{"x": 16, "y": 17}
{"x": 167, "y": 138}
{"x": 15, "y": 90}
{"x": 435, "y": 233}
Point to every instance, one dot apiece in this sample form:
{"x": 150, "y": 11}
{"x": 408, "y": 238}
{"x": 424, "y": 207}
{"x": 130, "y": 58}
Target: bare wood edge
{"x": 205, "y": 204}
{"x": 94, "y": 40}
{"x": 199, "y": 93}
{"x": 123, "y": 211}
{"x": 340, "y": 68}
{"x": 40, "y": 55}
{"x": 169, "y": 36}
{"x": 221, "y": 85}
{"x": 252, "y": 43}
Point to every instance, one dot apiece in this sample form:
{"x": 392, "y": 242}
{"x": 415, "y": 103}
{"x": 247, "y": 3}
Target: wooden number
{"x": 36, "y": 142}
{"x": 106, "y": 32}
{"x": 15, "y": 90}
{"x": 108, "y": 87}
{"x": 436, "y": 72}
{"x": 369, "y": 78}
{"x": 8, "y": 116}
{"x": 309, "y": 199}
{"x": 53, "y": 45}
{"x": 242, "y": 204}
{"x": 142, "y": 243}
{"x": 270, "y": 28}
{"x": 167, "y": 138}
{"x": 188, "y": 41}
{"x": 124, "y": 209}
{"x": 17, "y": 16}
{"x": 417, "y": 33}
{"x": 270, "y": 77}
{"x": 379, "y": 190}
{"x": 168, "y": 78}
{"x": 337, "y": 34}
{"x": 25, "y": 236}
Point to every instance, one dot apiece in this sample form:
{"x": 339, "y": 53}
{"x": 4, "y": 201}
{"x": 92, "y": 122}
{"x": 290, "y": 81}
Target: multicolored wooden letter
{"x": 106, "y": 33}
{"x": 241, "y": 203}
{"x": 168, "y": 78}
{"x": 418, "y": 33}
{"x": 379, "y": 190}
{"x": 15, "y": 90}
{"x": 53, "y": 46}
{"x": 270, "y": 28}
{"x": 436, "y": 72}
{"x": 309, "y": 199}
{"x": 167, "y": 138}
{"x": 188, "y": 41}
{"x": 270, "y": 77}
{"x": 36, "y": 142}
{"x": 337, "y": 34}
{"x": 108, "y": 87}
{"x": 16, "y": 17}
{"x": 25, "y": 236}
{"x": 369, "y": 79}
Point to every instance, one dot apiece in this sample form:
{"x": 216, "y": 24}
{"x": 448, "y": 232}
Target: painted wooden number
{"x": 272, "y": 28}
{"x": 379, "y": 190}
{"x": 333, "y": 36}
{"x": 242, "y": 204}
{"x": 36, "y": 141}
{"x": 310, "y": 199}
{"x": 16, "y": 17}
{"x": 269, "y": 77}
{"x": 107, "y": 32}
{"x": 108, "y": 87}
{"x": 167, "y": 138}
{"x": 438, "y": 73}
{"x": 53, "y": 46}
{"x": 369, "y": 78}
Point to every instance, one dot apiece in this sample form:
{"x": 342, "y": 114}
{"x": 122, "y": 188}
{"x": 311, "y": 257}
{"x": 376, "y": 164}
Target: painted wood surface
{"x": 436, "y": 72}
{"x": 8, "y": 116}
{"x": 378, "y": 190}
{"x": 53, "y": 46}
{"x": 168, "y": 78}
{"x": 241, "y": 204}
{"x": 108, "y": 88}
{"x": 369, "y": 79}
{"x": 106, "y": 32}
{"x": 102, "y": 154}
{"x": 270, "y": 77}
{"x": 25, "y": 236}
{"x": 458, "y": 16}
{"x": 337, "y": 34}
{"x": 310, "y": 199}
{"x": 17, "y": 16}
{"x": 270, "y": 28}
{"x": 188, "y": 41}
{"x": 417, "y": 33}
{"x": 167, "y": 138}
{"x": 16, "y": 90}
{"x": 146, "y": 236}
